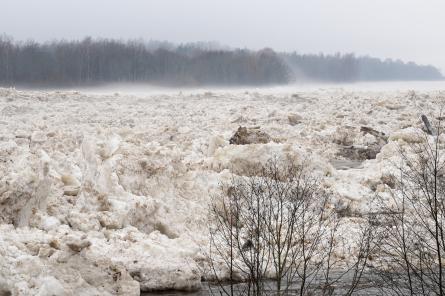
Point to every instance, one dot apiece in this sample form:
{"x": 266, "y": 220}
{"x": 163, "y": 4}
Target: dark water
{"x": 345, "y": 164}
{"x": 370, "y": 291}
{"x": 366, "y": 288}
{"x": 203, "y": 292}
{"x": 178, "y": 293}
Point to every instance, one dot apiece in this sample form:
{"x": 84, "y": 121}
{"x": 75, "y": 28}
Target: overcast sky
{"x": 405, "y": 29}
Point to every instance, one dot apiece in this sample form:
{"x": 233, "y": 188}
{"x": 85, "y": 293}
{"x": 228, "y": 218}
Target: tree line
{"x": 95, "y": 61}
{"x": 101, "y": 61}
{"x": 349, "y": 68}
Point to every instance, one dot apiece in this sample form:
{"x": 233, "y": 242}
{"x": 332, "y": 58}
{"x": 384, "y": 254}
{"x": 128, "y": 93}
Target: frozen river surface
{"x": 108, "y": 193}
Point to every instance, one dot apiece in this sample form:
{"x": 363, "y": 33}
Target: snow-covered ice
{"x": 108, "y": 194}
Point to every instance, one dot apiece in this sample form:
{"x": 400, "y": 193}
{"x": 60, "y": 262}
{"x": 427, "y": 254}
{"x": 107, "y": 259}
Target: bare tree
{"x": 412, "y": 238}
{"x": 275, "y": 230}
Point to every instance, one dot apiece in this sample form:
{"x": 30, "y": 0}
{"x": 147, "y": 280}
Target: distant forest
{"x": 97, "y": 61}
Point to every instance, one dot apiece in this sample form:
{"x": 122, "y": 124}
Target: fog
{"x": 142, "y": 90}
{"x": 409, "y": 30}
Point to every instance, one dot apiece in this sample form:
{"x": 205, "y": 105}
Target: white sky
{"x": 405, "y": 29}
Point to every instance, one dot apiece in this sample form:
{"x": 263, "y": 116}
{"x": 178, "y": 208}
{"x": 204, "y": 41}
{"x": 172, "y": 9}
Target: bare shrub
{"x": 412, "y": 237}
{"x": 276, "y": 232}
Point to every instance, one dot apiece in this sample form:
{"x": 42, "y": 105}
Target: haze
{"x": 405, "y": 29}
